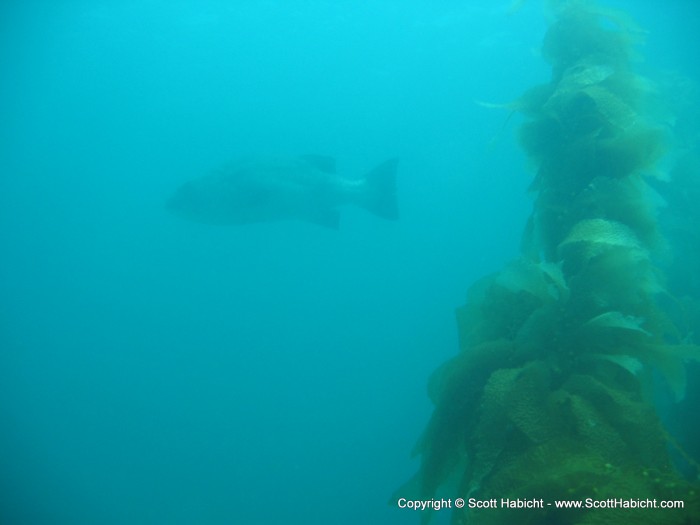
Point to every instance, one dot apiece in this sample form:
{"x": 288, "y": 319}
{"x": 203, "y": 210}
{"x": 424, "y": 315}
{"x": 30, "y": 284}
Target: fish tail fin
{"x": 380, "y": 195}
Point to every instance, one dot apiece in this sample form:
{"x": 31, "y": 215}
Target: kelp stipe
{"x": 549, "y": 396}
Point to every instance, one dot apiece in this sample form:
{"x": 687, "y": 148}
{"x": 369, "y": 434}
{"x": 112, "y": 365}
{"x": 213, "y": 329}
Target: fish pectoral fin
{"x": 326, "y": 217}
{"x": 320, "y": 162}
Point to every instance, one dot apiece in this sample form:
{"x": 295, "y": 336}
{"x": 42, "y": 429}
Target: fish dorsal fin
{"x": 320, "y": 162}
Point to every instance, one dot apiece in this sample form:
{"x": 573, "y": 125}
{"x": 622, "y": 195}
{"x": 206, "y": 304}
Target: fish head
{"x": 220, "y": 200}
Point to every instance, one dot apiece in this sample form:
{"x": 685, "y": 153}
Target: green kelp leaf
{"x": 581, "y": 31}
{"x": 603, "y": 232}
{"x": 584, "y": 74}
{"x": 611, "y": 107}
{"x": 673, "y": 371}
{"x": 533, "y": 100}
{"x": 670, "y": 361}
{"x": 577, "y": 112}
{"x": 555, "y": 276}
{"x": 542, "y": 138}
{"x": 612, "y": 278}
{"x": 490, "y": 436}
{"x": 596, "y": 236}
{"x": 529, "y": 103}
{"x": 584, "y": 105}
{"x": 631, "y": 87}
{"x": 612, "y": 332}
{"x": 463, "y": 375}
{"x": 456, "y": 389}
{"x": 630, "y": 201}
{"x": 637, "y": 149}
{"x": 619, "y": 321}
{"x": 633, "y": 365}
{"x": 686, "y": 352}
{"x": 498, "y": 315}
{"x": 542, "y": 280}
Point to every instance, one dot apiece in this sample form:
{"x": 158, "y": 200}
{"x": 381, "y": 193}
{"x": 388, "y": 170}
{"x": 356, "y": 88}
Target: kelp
{"x": 618, "y": 321}
{"x": 599, "y": 234}
{"x": 550, "y": 394}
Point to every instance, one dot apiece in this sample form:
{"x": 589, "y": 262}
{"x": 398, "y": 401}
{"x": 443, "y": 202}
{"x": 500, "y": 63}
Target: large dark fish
{"x": 306, "y": 188}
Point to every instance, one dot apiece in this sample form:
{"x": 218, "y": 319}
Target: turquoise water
{"x": 155, "y": 370}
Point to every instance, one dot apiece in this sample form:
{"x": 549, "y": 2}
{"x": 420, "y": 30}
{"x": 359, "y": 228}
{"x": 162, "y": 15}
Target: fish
{"x": 307, "y": 188}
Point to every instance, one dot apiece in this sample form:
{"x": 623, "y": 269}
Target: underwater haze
{"x": 156, "y": 370}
